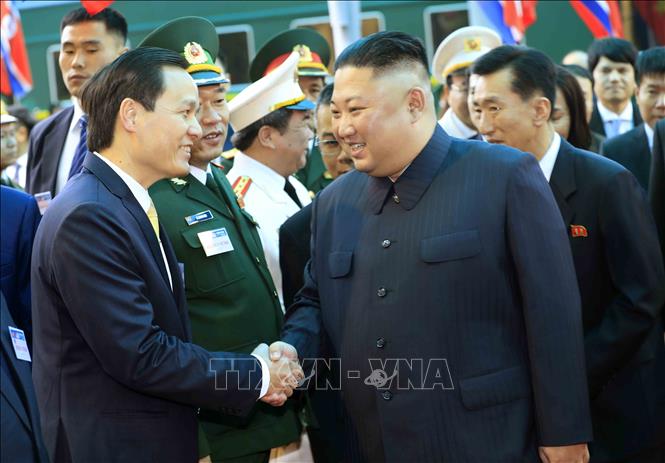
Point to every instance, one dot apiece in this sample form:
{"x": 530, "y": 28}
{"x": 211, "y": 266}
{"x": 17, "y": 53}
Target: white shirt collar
{"x": 454, "y": 126}
{"x": 78, "y": 112}
{"x": 649, "y": 132}
{"x": 547, "y": 162}
{"x": 261, "y": 174}
{"x": 140, "y": 193}
{"x": 608, "y": 115}
{"x": 199, "y": 174}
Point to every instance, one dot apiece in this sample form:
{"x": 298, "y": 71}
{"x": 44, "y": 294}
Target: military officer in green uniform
{"x": 233, "y": 304}
{"x": 312, "y": 72}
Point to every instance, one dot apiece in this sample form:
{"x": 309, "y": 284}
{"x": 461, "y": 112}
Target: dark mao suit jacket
{"x": 20, "y": 217}
{"x": 631, "y": 150}
{"x": 115, "y": 374}
{"x": 47, "y": 140}
{"x": 622, "y": 285}
{"x": 21, "y": 435}
{"x": 467, "y": 275}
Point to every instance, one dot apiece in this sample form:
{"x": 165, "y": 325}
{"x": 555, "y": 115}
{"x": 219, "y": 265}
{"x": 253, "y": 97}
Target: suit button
{"x": 386, "y": 243}
{"x": 387, "y": 395}
{"x": 396, "y": 198}
{"x": 380, "y": 343}
{"x": 274, "y": 293}
{"x": 381, "y": 292}
{"x": 258, "y": 261}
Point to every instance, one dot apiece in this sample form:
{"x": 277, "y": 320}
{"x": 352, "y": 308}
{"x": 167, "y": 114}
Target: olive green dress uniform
{"x": 233, "y": 304}
{"x": 313, "y": 175}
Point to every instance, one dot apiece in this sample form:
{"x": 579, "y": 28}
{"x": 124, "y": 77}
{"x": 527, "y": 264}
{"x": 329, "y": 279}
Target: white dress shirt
{"x": 625, "y": 119}
{"x": 142, "y": 196}
{"x": 16, "y": 172}
{"x": 69, "y": 149}
{"x": 454, "y": 126}
{"x": 549, "y": 159}
{"x": 270, "y": 206}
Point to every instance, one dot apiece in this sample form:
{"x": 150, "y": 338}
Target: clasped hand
{"x": 285, "y": 371}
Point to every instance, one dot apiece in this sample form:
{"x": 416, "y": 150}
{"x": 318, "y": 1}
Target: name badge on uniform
{"x": 198, "y": 217}
{"x": 20, "y": 345}
{"x": 43, "y": 201}
{"x": 215, "y": 241}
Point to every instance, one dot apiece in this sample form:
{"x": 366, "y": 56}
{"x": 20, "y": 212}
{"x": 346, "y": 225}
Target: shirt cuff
{"x": 265, "y": 374}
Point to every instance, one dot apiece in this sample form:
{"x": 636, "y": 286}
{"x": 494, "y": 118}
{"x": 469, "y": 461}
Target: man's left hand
{"x": 578, "y": 453}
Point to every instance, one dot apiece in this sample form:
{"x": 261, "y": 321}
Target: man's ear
{"x": 416, "y": 101}
{"x": 128, "y": 113}
{"x": 266, "y": 136}
{"x": 542, "y": 108}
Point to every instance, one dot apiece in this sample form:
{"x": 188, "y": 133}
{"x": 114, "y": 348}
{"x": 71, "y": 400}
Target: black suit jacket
{"x": 631, "y": 150}
{"x": 47, "y": 140}
{"x": 622, "y": 284}
{"x": 657, "y": 181}
{"x": 596, "y": 122}
{"x": 454, "y": 277}
{"x": 116, "y": 375}
{"x": 21, "y": 435}
{"x": 294, "y": 237}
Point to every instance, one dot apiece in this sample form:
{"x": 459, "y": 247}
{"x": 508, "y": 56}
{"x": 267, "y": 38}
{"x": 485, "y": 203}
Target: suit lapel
{"x": 54, "y": 143}
{"x": 178, "y": 289}
{"x": 643, "y": 153}
{"x": 563, "y": 182}
{"x": 198, "y": 192}
{"x": 116, "y": 186}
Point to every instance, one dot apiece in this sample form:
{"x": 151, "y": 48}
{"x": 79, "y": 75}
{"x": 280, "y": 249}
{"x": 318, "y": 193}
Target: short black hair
{"x": 385, "y": 51}
{"x": 463, "y": 72}
{"x": 617, "y": 50}
{"x": 532, "y": 70}
{"x": 325, "y": 97}
{"x": 579, "y": 134}
{"x": 579, "y": 71}
{"x": 137, "y": 74}
{"x": 650, "y": 62}
{"x": 114, "y": 21}
{"x": 278, "y": 119}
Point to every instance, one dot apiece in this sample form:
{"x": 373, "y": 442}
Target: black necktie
{"x": 81, "y": 148}
{"x": 292, "y": 193}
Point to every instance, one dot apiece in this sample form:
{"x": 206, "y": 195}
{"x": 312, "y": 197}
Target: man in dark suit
{"x": 20, "y": 433}
{"x": 657, "y": 182}
{"x": 615, "y": 249}
{"x": 231, "y": 297}
{"x": 57, "y": 145}
{"x": 441, "y": 273}
{"x": 633, "y": 149}
{"x": 612, "y": 63}
{"x": 116, "y": 375}
{"x": 19, "y": 217}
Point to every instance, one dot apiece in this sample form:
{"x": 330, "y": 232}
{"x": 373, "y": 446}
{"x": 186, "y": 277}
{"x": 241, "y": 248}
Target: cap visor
{"x": 303, "y": 105}
{"x": 208, "y": 78}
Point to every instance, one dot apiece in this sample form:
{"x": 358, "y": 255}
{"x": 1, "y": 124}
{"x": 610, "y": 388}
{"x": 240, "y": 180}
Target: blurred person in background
{"x": 568, "y": 115}
{"x": 577, "y": 58}
{"x": 24, "y": 124}
{"x": 633, "y": 149}
{"x": 9, "y": 152}
{"x": 612, "y": 64}
{"x": 585, "y": 81}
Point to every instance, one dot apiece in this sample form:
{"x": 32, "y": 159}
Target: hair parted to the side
{"x": 617, "y": 50}
{"x": 114, "y": 21}
{"x": 532, "y": 70}
{"x": 386, "y": 51}
{"x": 137, "y": 74}
{"x": 650, "y": 62}
{"x": 278, "y": 119}
{"x": 325, "y": 97}
{"x": 579, "y": 134}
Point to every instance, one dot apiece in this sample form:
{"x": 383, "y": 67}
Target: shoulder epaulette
{"x": 230, "y": 154}
{"x": 240, "y": 187}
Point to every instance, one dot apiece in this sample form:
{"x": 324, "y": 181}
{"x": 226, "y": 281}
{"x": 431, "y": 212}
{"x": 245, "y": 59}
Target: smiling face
{"x": 85, "y": 48}
{"x": 614, "y": 82}
{"x": 165, "y": 136}
{"x": 500, "y": 114}
{"x": 337, "y": 161}
{"x": 213, "y": 117}
{"x": 369, "y": 116}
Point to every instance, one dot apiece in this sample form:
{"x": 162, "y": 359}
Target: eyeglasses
{"x": 327, "y": 146}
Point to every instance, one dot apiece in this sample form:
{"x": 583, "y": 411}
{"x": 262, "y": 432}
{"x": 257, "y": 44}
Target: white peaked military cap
{"x": 279, "y": 89}
{"x": 461, "y": 48}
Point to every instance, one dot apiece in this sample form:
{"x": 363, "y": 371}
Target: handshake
{"x": 285, "y": 371}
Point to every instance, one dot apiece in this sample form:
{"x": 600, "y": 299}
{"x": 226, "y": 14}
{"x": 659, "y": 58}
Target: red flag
{"x": 519, "y": 15}
{"x": 15, "y": 67}
{"x": 95, "y": 6}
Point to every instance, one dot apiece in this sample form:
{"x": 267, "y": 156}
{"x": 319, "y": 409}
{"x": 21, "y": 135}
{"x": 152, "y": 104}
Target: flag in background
{"x": 509, "y": 18}
{"x": 95, "y": 6}
{"x": 603, "y": 18}
{"x": 16, "y": 79}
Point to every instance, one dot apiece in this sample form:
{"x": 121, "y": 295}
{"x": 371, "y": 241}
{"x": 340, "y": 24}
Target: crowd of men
{"x": 360, "y": 278}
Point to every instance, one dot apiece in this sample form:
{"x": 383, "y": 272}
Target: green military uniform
{"x": 233, "y": 304}
{"x": 313, "y": 175}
